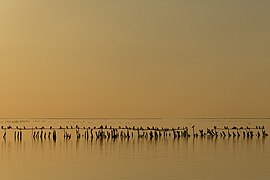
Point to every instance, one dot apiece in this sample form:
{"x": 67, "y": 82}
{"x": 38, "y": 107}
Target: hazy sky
{"x": 134, "y": 58}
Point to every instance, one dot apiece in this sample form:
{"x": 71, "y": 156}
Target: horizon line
{"x": 134, "y": 117}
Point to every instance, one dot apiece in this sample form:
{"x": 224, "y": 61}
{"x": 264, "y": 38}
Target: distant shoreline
{"x": 82, "y": 118}
{"x": 134, "y": 118}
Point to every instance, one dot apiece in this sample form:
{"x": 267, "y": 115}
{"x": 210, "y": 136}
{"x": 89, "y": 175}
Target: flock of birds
{"x": 107, "y": 132}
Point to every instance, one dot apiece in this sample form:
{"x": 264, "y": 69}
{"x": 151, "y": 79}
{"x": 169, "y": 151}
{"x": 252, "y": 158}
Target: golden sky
{"x": 138, "y": 58}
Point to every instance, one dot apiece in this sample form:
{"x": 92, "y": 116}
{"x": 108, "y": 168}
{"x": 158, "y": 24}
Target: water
{"x": 164, "y": 158}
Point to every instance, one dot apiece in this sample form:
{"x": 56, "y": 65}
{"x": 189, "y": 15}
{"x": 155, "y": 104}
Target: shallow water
{"x": 164, "y": 158}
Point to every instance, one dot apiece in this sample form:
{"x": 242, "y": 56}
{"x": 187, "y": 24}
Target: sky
{"x": 154, "y": 58}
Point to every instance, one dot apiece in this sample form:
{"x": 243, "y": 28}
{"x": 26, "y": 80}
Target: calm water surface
{"x": 164, "y": 158}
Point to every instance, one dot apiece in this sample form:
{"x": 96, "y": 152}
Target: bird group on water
{"x": 109, "y": 132}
